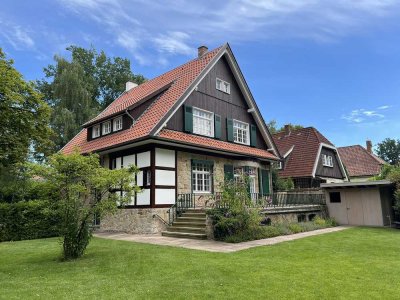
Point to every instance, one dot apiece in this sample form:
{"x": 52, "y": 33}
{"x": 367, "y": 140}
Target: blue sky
{"x": 334, "y": 65}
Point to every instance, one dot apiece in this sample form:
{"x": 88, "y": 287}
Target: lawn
{"x": 357, "y": 263}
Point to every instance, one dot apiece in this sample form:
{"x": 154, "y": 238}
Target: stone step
{"x": 185, "y": 235}
{"x": 186, "y": 229}
{"x": 192, "y": 219}
{"x": 193, "y": 215}
{"x": 180, "y": 223}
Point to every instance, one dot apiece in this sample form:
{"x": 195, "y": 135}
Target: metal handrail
{"x": 183, "y": 202}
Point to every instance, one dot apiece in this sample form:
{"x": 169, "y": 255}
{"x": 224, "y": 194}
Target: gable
{"x": 229, "y": 106}
{"x": 331, "y": 172}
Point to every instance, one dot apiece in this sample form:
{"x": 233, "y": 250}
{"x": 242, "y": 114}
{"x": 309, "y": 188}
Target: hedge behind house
{"x": 27, "y": 220}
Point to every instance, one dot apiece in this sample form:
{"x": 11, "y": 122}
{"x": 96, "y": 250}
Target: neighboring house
{"x": 361, "y": 164}
{"x": 186, "y": 131}
{"x": 308, "y": 158}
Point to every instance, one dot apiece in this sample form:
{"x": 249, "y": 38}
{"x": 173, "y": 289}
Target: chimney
{"x": 369, "y": 146}
{"x": 287, "y": 129}
{"x": 202, "y": 50}
{"x": 130, "y": 85}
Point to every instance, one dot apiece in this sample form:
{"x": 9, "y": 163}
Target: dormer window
{"x": 96, "y": 131}
{"x": 327, "y": 160}
{"x": 118, "y": 123}
{"x": 106, "y": 127}
{"x": 223, "y": 86}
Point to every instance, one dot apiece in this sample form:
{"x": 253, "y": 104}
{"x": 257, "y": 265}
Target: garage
{"x": 360, "y": 203}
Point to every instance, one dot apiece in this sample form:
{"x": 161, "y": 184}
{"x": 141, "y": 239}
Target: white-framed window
{"x": 238, "y": 173}
{"x": 203, "y": 122}
{"x": 96, "y": 131}
{"x": 201, "y": 177}
{"x": 241, "y": 132}
{"x": 327, "y": 160}
{"x": 106, "y": 127}
{"x": 118, "y": 123}
{"x": 223, "y": 86}
{"x": 280, "y": 165}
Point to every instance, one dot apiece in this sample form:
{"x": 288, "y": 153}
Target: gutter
{"x": 133, "y": 120}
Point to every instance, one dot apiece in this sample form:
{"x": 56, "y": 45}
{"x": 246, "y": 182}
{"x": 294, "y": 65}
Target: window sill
{"x": 245, "y": 144}
{"x": 199, "y": 193}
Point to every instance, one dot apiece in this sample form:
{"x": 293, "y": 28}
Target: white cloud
{"x": 361, "y": 115}
{"x": 19, "y": 38}
{"x": 384, "y": 107}
{"x": 178, "y": 27}
{"x": 173, "y": 43}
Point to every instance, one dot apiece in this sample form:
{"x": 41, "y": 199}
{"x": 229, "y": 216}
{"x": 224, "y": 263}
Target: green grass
{"x": 358, "y": 263}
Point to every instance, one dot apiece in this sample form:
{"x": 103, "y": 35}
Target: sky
{"x": 333, "y": 65}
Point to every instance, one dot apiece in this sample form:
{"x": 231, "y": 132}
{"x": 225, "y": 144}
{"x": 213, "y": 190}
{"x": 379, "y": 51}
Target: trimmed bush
{"x": 27, "y": 220}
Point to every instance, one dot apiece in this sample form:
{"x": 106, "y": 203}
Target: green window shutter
{"x": 188, "y": 118}
{"x": 265, "y": 182}
{"x": 217, "y": 126}
{"x": 229, "y": 130}
{"x": 253, "y": 135}
{"x": 228, "y": 171}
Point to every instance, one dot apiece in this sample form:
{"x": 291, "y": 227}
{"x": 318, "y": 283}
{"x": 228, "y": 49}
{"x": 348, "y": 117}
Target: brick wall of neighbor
{"x": 184, "y": 172}
{"x": 135, "y": 221}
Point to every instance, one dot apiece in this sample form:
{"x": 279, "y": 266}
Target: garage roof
{"x": 356, "y": 184}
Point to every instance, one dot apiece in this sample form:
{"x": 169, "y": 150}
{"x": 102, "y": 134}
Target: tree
{"x": 24, "y": 118}
{"x": 389, "y": 151}
{"x": 83, "y": 189}
{"x": 78, "y": 89}
{"x": 274, "y": 129}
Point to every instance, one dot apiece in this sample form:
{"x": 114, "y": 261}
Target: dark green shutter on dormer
{"x": 228, "y": 172}
{"x": 253, "y": 135}
{"x": 188, "y": 118}
{"x": 217, "y": 126}
{"x": 229, "y": 130}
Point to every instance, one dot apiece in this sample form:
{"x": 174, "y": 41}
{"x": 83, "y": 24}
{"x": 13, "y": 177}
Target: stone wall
{"x": 135, "y": 221}
{"x": 185, "y": 166}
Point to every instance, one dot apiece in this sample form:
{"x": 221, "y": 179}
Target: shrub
{"x": 319, "y": 221}
{"x": 295, "y": 228}
{"x": 28, "y": 220}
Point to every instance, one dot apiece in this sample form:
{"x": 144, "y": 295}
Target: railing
{"x": 297, "y": 198}
{"x": 183, "y": 202}
{"x": 280, "y": 199}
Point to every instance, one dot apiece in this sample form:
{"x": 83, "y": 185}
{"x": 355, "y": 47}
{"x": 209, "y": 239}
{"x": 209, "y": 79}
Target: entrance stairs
{"x": 191, "y": 224}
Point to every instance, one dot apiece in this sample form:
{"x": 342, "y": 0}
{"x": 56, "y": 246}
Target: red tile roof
{"x": 359, "y": 162}
{"x": 305, "y": 143}
{"x": 210, "y": 143}
{"x": 180, "y": 77}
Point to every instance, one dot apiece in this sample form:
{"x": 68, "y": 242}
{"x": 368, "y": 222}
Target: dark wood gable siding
{"x": 207, "y": 97}
{"x": 330, "y": 172}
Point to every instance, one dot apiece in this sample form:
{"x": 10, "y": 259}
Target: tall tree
{"x": 389, "y": 151}
{"x": 274, "y": 129}
{"x": 78, "y": 89}
{"x": 24, "y": 118}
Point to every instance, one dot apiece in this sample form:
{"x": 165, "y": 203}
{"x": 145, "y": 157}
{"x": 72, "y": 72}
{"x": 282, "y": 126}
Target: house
{"x": 361, "y": 164}
{"x": 308, "y": 157}
{"x": 186, "y": 130}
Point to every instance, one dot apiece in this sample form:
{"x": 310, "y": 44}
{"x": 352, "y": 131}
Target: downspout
{"x": 133, "y": 120}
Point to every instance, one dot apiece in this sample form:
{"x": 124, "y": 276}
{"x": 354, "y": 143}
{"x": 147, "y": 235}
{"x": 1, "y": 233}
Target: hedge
{"x": 27, "y": 220}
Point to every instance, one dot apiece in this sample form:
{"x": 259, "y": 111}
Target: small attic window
{"x": 106, "y": 127}
{"x": 223, "y": 86}
{"x": 96, "y": 131}
{"x": 118, "y": 123}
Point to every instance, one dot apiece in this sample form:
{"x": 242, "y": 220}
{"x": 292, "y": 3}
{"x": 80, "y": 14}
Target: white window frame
{"x": 223, "y": 86}
{"x": 327, "y": 160}
{"x": 201, "y": 175}
{"x": 117, "y": 120}
{"x": 236, "y": 132}
{"x": 96, "y": 131}
{"x": 106, "y": 125}
{"x": 198, "y": 130}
